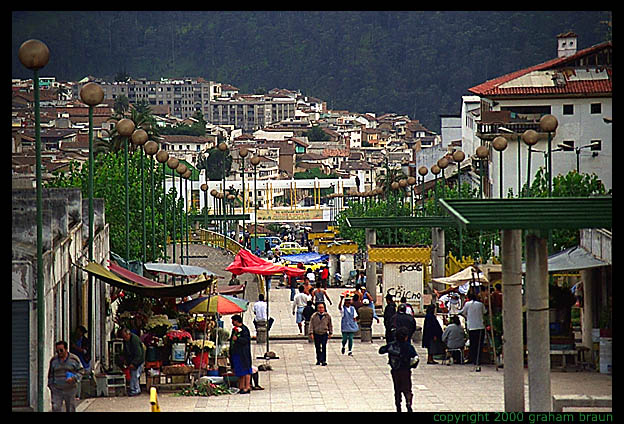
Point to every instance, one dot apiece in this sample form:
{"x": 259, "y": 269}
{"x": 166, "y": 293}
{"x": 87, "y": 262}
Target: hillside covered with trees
{"x": 415, "y": 63}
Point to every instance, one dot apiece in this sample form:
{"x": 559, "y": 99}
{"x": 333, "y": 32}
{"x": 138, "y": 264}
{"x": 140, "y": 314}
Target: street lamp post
{"x": 204, "y": 188}
{"x": 530, "y": 139}
{"x": 181, "y": 170}
{"x": 443, "y": 163}
{"x": 223, "y": 148}
{"x": 412, "y": 182}
{"x": 435, "y": 170}
{"x": 125, "y": 128}
{"x": 458, "y": 157}
{"x": 548, "y": 123}
{"x": 139, "y": 138}
{"x": 255, "y": 161}
{"x": 151, "y": 147}
{"x": 423, "y": 170}
{"x": 92, "y": 95}
{"x": 162, "y": 157}
{"x": 243, "y": 152}
{"x": 499, "y": 144}
{"x": 482, "y": 153}
{"x": 34, "y": 54}
{"x": 173, "y": 163}
{"x": 187, "y": 176}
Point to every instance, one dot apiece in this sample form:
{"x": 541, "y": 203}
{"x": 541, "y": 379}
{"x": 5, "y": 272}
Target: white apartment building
{"x": 575, "y": 87}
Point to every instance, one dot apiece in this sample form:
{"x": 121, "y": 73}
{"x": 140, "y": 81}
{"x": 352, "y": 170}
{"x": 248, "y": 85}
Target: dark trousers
{"x": 476, "y": 345}
{"x": 402, "y": 379}
{"x": 320, "y": 344}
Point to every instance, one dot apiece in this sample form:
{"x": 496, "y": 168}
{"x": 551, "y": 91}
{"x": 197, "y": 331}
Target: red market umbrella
{"x": 247, "y": 262}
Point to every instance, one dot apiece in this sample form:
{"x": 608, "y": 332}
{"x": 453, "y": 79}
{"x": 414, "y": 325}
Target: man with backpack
{"x": 402, "y": 357}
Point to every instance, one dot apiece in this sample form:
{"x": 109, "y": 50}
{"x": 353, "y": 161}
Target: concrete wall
{"x": 65, "y": 286}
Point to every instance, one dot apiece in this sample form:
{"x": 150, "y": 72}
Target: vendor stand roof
{"x": 531, "y": 213}
{"x": 131, "y": 282}
{"x": 401, "y": 222}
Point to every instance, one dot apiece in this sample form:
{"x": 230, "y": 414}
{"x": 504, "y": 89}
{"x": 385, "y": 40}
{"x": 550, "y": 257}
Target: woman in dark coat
{"x": 240, "y": 352}
{"x": 432, "y": 334}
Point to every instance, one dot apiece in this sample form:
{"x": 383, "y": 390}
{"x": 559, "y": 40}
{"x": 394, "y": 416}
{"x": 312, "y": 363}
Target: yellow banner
{"x": 290, "y": 215}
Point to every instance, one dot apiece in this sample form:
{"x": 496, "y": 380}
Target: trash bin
{"x": 261, "y": 332}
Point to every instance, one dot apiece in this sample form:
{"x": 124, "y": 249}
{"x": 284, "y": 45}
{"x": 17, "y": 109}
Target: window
{"x": 569, "y": 145}
{"x": 596, "y": 145}
{"x": 595, "y": 108}
{"x": 568, "y": 109}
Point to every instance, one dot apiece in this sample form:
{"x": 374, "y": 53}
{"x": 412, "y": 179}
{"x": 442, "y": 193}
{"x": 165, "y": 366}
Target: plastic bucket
{"x": 606, "y": 360}
{"x": 178, "y": 351}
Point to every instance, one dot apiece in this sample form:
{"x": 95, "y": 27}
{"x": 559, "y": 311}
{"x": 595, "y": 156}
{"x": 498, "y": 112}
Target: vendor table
{"x": 563, "y": 354}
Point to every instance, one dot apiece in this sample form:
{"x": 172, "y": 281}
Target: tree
{"x": 109, "y": 184}
{"x": 121, "y": 105}
{"x": 213, "y": 163}
{"x": 572, "y": 184}
{"x": 316, "y": 133}
{"x": 142, "y": 117}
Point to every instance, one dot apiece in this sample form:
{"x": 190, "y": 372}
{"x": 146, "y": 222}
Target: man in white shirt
{"x": 473, "y": 311}
{"x": 299, "y": 302}
{"x": 260, "y": 311}
{"x": 310, "y": 275}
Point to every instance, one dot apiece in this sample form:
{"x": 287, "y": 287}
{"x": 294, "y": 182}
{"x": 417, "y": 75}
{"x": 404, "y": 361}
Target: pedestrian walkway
{"x": 358, "y": 383}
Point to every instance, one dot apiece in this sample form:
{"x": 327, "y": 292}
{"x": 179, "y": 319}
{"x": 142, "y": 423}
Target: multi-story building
{"x": 576, "y": 88}
{"x": 183, "y": 96}
{"x": 251, "y": 112}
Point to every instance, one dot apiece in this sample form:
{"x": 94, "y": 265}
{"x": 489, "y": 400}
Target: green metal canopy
{"x": 401, "y": 222}
{"x": 539, "y": 213}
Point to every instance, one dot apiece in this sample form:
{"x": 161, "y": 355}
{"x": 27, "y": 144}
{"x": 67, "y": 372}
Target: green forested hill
{"x": 415, "y": 63}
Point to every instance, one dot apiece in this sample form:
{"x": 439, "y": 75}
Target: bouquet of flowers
{"x": 200, "y": 323}
{"x": 158, "y": 325}
{"x": 178, "y": 336}
{"x": 152, "y": 340}
{"x": 131, "y": 319}
{"x": 206, "y": 345}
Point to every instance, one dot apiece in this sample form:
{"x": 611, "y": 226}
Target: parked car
{"x": 291, "y": 248}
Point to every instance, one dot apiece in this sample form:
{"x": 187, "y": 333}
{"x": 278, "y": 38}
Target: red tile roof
{"x": 492, "y": 87}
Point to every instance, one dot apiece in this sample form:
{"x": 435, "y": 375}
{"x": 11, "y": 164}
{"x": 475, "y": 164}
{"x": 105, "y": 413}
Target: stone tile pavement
{"x": 358, "y": 383}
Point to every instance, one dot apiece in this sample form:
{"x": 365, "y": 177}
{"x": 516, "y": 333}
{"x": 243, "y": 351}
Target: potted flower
{"x": 177, "y": 339}
{"x": 203, "y": 350}
{"x": 158, "y": 325}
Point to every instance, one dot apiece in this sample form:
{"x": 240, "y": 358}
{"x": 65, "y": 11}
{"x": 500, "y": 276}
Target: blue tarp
{"x": 305, "y": 258}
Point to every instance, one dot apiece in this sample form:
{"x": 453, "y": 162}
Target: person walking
{"x": 365, "y": 317}
{"x": 324, "y": 276}
{"x": 348, "y": 323}
{"x": 299, "y": 303}
{"x": 292, "y": 283}
{"x": 320, "y": 331}
{"x": 240, "y": 354}
{"x": 319, "y": 295}
{"x": 307, "y": 313}
{"x": 473, "y": 311}
{"x": 134, "y": 359}
{"x": 403, "y": 319}
{"x": 432, "y": 335}
{"x": 64, "y": 375}
{"x": 389, "y": 311}
{"x": 402, "y": 357}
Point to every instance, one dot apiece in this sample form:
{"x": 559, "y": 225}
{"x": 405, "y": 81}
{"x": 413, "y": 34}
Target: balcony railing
{"x": 488, "y": 131}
